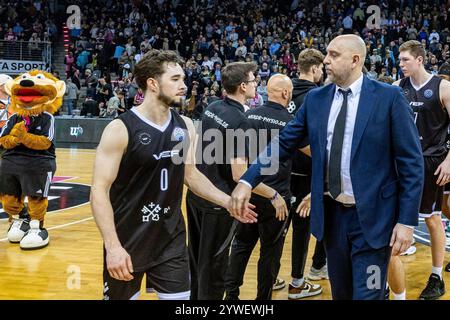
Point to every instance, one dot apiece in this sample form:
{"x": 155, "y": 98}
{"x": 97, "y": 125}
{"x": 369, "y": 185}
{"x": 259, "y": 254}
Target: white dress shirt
{"x": 346, "y": 195}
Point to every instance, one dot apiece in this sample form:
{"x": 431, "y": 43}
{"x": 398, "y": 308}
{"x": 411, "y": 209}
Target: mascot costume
{"x": 28, "y": 164}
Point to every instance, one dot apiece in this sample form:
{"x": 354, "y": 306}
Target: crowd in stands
{"x": 209, "y": 34}
{"x": 30, "y": 21}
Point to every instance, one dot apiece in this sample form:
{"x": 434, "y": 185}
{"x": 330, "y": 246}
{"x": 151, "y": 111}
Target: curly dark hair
{"x": 153, "y": 64}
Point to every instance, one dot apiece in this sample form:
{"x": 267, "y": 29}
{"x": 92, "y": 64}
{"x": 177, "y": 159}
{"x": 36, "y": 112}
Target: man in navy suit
{"x": 367, "y": 171}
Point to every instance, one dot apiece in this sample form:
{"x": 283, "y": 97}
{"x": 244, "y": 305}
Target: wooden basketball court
{"x": 71, "y": 266}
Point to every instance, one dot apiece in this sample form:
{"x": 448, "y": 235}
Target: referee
{"x": 267, "y": 121}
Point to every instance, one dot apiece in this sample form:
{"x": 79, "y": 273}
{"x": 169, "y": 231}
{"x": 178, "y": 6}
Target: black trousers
{"x": 209, "y": 244}
{"x": 271, "y": 232}
{"x": 301, "y": 233}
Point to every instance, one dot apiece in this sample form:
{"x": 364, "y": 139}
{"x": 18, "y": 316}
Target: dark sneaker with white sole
{"x": 435, "y": 288}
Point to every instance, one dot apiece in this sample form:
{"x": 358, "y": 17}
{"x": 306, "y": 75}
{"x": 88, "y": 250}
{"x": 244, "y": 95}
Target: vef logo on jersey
{"x": 76, "y": 131}
{"x": 63, "y": 195}
{"x": 178, "y": 134}
{"x": 428, "y": 93}
{"x": 405, "y": 92}
{"x": 144, "y": 138}
{"x": 166, "y": 154}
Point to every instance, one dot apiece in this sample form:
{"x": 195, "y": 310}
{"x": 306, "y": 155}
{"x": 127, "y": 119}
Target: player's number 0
{"x": 164, "y": 179}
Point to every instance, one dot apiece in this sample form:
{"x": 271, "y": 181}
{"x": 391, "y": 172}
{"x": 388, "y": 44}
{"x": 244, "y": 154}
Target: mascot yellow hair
{"x": 32, "y": 94}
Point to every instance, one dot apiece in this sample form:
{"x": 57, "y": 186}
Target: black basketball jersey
{"x": 223, "y": 117}
{"x": 146, "y": 195}
{"x": 430, "y": 116}
{"x": 270, "y": 119}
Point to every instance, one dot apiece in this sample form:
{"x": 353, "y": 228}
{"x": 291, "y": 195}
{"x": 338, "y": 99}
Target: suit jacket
{"x": 386, "y": 165}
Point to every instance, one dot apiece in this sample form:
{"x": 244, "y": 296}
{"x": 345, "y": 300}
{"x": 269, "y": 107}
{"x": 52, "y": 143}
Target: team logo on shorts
{"x": 144, "y": 138}
{"x": 428, "y": 93}
{"x": 178, "y": 134}
{"x": 63, "y": 195}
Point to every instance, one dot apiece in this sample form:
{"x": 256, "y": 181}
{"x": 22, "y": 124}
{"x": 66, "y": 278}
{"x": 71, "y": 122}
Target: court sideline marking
{"x": 61, "y": 225}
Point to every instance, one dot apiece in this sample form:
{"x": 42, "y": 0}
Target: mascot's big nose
{"x": 26, "y": 83}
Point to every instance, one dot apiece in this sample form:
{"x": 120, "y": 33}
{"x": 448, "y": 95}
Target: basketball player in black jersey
{"x": 142, "y": 160}
{"x": 429, "y": 98}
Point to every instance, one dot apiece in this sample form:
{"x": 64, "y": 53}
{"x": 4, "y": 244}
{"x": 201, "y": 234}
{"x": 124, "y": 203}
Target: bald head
{"x": 352, "y": 44}
{"x": 278, "y": 82}
{"x": 279, "y": 89}
{"x": 345, "y": 59}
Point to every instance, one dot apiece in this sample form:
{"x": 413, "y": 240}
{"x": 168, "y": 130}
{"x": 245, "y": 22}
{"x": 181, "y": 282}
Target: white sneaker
{"x": 316, "y": 275}
{"x": 304, "y": 291}
{"x": 17, "y": 230}
{"x": 410, "y": 251}
{"x": 35, "y": 238}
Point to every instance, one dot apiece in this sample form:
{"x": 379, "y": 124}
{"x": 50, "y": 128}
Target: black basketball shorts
{"x": 168, "y": 278}
{"x": 432, "y": 195}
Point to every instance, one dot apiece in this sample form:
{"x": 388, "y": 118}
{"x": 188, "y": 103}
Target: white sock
{"x": 437, "y": 270}
{"x": 399, "y": 296}
{"x": 298, "y": 282}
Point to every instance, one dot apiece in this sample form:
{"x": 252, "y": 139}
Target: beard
{"x": 169, "y": 101}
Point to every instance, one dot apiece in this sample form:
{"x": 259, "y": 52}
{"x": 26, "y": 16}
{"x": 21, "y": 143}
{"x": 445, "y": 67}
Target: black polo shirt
{"x": 268, "y": 121}
{"x": 219, "y": 142}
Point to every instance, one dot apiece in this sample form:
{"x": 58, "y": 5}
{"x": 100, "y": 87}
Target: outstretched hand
{"x": 249, "y": 216}
{"x": 240, "y": 207}
{"x": 304, "y": 207}
{"x": 280, "y": 207}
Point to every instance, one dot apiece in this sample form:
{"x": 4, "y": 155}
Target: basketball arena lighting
{"x": 66, "y": 37}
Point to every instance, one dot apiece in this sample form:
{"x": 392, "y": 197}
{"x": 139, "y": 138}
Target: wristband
{"x": 274, "y": 196}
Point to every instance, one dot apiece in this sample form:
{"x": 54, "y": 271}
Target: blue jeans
{"x": 69, "y": 104}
